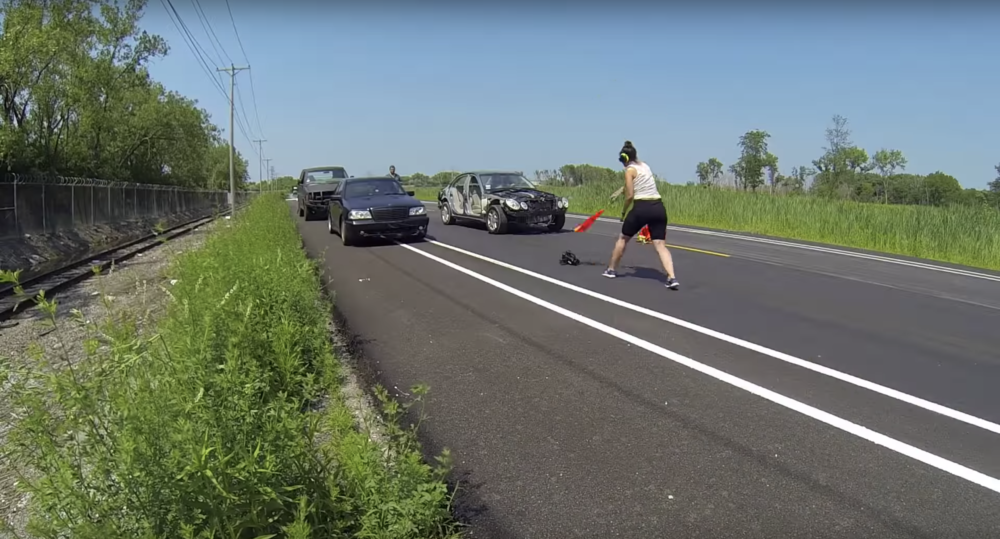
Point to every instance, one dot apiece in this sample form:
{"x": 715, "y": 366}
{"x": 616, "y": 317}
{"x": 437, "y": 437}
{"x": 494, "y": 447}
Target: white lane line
{"x": 865, "y": 433}
{"x": 787, "y": 358}
{"x": 828, "y": 250}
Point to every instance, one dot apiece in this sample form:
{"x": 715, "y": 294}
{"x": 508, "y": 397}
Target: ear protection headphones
{"x": 569, "y": 259}
{"x": 623, "y": 158}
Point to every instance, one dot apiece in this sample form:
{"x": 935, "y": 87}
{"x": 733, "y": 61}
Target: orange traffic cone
{"x": 582, "y": 227}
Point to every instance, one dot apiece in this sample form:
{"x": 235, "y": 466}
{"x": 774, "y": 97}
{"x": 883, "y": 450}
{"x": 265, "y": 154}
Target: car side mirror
{"x": 411, "y": 193}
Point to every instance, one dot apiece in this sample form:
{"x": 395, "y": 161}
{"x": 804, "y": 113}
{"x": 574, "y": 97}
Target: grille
{"x": 325, "y": 195}
{"x": 390, "y": 214}
{"x": 539, "y": 205}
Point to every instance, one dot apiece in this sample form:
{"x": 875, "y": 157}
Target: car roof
{"x": 491, "y": 172}
{"x": 352, "y": 180}
{"x": 314, "y": 169}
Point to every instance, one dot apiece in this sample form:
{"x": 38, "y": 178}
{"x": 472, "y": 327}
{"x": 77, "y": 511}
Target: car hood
{"x": 524, "y": 194}
{"x": 381, "y": 201}
{"x": 320, "y": 187}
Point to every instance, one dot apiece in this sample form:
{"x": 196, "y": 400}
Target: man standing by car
{"x": 392, "y": 172}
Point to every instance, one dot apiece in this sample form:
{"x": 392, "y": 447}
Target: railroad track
{"x": 54, "y": 281}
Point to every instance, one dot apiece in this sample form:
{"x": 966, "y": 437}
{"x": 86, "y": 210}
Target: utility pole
{"x": 270, "y": 183}
{"x": 260, "y": 162}
{"x": 232, "y": 70}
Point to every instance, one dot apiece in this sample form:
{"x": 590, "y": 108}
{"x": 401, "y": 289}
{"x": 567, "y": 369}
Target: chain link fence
{"x": 37, "y": 204}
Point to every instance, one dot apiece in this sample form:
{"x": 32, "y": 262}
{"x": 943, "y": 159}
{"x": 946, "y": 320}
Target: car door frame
{"x": 482, "y": 196}
{"x": 302, "y": 189}
{"x": 449, "y": 194}
{"x": 335, "y": 206}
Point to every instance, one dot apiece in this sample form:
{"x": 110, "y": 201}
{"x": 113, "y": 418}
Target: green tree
{"x": 76, "y": 99}
{"x": 442, "y": 178}
{"x": 771, "y": 167}
{"x": 709, "y": 172}
{"x": 887, "y": 162}
{"x": 994, "y": 189}
{"x": 701, "y": 171}
{"x": 832, "y": 165}
{"x": 754, "y": 157}
{"x": 417, "y": 180}
{"x": 715, "y": 169}
{"x": 797, "y": 181}
{"x": 941, "y": 189}
{"x": 590, "y": 174}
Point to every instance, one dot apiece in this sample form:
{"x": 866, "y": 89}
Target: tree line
{"x": 77, "y": 99}
{"x": 844, "y": 171}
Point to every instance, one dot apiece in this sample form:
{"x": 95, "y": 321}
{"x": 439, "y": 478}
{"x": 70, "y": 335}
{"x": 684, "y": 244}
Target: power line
{"x": 242, "y": 108}
{"x": 197, "y": 50}
{"x": 190, "y": 42}
{"x": 260, "y": 160}
{"x": 238, "y": 40}
{"x": 253, "y": 92}
{"x": 210, "y": 32}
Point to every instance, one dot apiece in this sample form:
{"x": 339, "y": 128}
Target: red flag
{"x": 582, "y": 227}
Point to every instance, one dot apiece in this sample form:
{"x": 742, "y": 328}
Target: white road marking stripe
{"x": 865, "y": 433}
{"x": 828, "y": 250}
{"x": 844, "y": 377}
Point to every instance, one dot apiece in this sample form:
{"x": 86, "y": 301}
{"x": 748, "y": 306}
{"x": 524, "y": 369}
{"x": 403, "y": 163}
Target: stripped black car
{"x": 375, "y": 207}
{"x": 316, "y": 186}
{"x": 500, "y": 199}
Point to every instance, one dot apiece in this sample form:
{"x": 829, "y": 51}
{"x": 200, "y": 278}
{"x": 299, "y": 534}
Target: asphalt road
{"x": 784, "y": 391}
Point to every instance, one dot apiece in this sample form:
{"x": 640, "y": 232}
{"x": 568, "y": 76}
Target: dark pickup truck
{"x": 316, "y": 186}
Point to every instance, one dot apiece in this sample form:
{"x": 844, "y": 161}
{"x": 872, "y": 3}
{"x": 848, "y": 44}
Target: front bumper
{"x": 529, "y": 217}
{"x": 411, "y": 226}
{"x": 317, "y": 205}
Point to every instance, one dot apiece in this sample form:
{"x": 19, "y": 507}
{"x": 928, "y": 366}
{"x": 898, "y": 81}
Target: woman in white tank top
{"x": 647, "y": 211}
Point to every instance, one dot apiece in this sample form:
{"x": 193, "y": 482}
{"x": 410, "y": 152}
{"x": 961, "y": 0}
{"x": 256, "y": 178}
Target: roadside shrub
{"x": 214, "y": 424}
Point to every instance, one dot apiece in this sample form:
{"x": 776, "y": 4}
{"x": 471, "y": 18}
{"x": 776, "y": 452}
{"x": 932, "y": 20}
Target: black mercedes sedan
{"x": 375, "y": 207}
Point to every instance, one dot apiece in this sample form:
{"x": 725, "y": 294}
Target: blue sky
{"x": 527, "y": 88}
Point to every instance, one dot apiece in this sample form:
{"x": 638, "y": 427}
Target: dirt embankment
{"x": 38, "y": 253}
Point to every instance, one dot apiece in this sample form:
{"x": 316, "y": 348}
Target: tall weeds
{"x": 209, "y": 427}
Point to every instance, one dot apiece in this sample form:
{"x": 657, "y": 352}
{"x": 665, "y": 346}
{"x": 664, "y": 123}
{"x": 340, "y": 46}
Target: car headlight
{"x": 565, "y": 202}
{"x": 417, "y": 210}
{"x": 355, "y": 215}
{"x": 513, "y": 204}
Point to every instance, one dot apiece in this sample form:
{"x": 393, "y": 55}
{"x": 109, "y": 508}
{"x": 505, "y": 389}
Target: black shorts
{"x": 649, "y": 213}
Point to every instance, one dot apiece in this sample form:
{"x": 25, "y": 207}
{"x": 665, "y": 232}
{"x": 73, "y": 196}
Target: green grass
{"x": 213, "y": 424}
{"x": 956, "y": 234}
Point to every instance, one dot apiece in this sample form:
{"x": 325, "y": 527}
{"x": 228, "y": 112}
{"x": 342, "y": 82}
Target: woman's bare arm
{"x": 630, "y": 175}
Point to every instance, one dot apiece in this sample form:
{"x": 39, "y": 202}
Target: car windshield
{"x": 369, "y": 188}
{"x": 332, "y": 175}
{"x": 498, "y": 181}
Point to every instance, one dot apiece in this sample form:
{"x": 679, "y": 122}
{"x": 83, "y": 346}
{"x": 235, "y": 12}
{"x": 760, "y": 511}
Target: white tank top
{"x": 644, "y": 183}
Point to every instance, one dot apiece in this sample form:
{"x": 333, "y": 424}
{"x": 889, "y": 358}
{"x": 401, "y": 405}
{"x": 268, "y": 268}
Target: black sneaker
{"x": 673, "y": 284}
